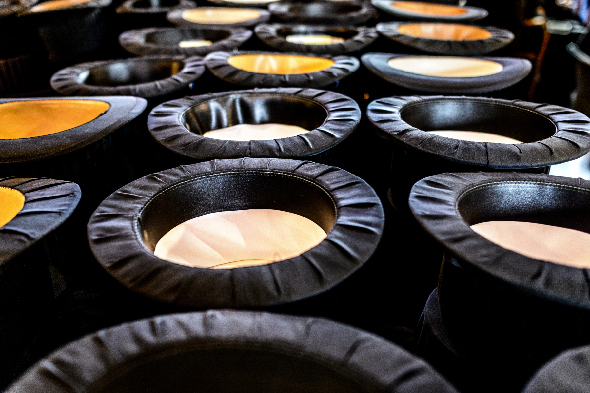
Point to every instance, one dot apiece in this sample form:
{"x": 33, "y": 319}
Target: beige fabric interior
{"x": 240, "y": 238}
{"x": 444, "y": 31}
{"x": 11, "y": 203}
{"x": 445, "y": 66}
{"x": 194, "y": 43}
{"x": 56, "y": 5}
{"x": 279, "y": 64}
{"x": 545, "y": 242}
{"x": 28, "y": 119}
{"x": 251, "y": 132}
{"x": 428, "y": 8}
{"x": 474, "y": 136}
{"x": 219, "y": 15}
{"x": 313, "y": 39}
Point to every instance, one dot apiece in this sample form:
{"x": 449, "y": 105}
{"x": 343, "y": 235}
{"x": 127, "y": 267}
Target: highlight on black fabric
{"x": 567, "y": 373}
{"x": 231, "y": 351}
{"x": 446, "y": 38}
{"x": 204, "y": 17}
{"x": 148, "y": 77}
{"x": 181, "y": 125}
{"x": 428, "y": 11}
{"x": 498, "y": 302}
{"x": 324, "y": 13}
{"x": 269, "y": 69}
{"x": 154, "y": 6}
{"x": 124, "y": 231}
{"x": 182, "y": 41}
{"x": 334, "y": 40}
{"x": 499, "y": 73}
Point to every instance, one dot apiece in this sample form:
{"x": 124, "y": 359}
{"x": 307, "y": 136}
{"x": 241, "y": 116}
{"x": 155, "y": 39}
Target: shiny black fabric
{"x": 154, "y": 6}
{"x": 27, "y": 249}
{"x": 148, "y": 77}
{"x": 507, "y": 313}
{"x": 229, "y": 351}
{"x": 216, "y": 62}
{"x": 330, "y": 117}
{"x": 127, "y": 223}
{"x": 472, "y": 14}
{"x": 567, "y": 373}
{"x": 176, "y": 18}
{"x": 499, "y": 39}
{"x": 164, "y": 41}
{"x": 323, "y": 13}
{"x": 513, "y": 71}
{"x": 355, "y": 38}
{"x": 551, "y": 134}
{"x": 122, "y": 110}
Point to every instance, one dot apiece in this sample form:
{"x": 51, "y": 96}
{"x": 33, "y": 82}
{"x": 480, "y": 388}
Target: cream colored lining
{"x": 474, "y": 136}
{"x": 11, "y": 203}
{"x": 219, "y": 15}
{"x": 545, "y": 242}
{"x": 28, "y": 119}
{"x": 250, "y": 132}
{"x": 279, "y": 64}
{"x": 314, "y": 39}
{"x": 428, "y": 8}
{"x": 194, "y": 43}
{"x": 229, "y": 239}
{"x": 56, "y": 5}
{"x": 444, "y": 31}
{"x": 445, "y": 66}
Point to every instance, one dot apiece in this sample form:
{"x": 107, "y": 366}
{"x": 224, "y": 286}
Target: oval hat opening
{"x": 218, "y": 16}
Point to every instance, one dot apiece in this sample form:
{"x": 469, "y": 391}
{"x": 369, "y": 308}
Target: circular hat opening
{"x": 12, "y": 202}
{"x": 445, "y": 66}
{"x": 308, "y": 35}
{"x": 156, "y": 3}
{"x": 428, "y": 8}
{"x": 28, "y": 119}
{"x": 237, "y": 220}
{"x": 279, "y": 64}
{"x": 186, "y": 38}
{"x": 131, "y": 72}
{"x": 539, "y": 220}
{"x": 444, "y": 31}
{"x": 220, "y": 15}
{"x": 478, "y": 121}
{"x": 57, "y": 5}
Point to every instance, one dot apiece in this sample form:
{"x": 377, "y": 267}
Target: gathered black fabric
{"x": 567, "y": 373}
{"x": 499, "y": 39}
{"x": 48, "y": 203}
{"x": 179, "y": 125}
{"x": 122, "y": 110}
{"x": 154, "y": 7}
{"x": 165, "y": 40}
{"x": 472, "y": 13}
{"x": 177, "y": 19}
{"x": 148, "y": 77}
{"x": 513, "y": 71}
{"x": 232, "y": 351}
{"x": 217, "y": 63}
{"x": 324, "y": 13}
{"x": 355, "y": 38}
{"x": 551, "y": 134}
{"x": 126, "y": 226}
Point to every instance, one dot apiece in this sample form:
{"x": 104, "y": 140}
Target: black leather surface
{"x": 148, "y": 77}
{"x": 499, "y": 39}
{"x": 472, "y": 14}
{"x": 126, "y": 225}
{"x": 179, "y": 125}
{"x": 176, "y": 18}
{"x": 567, "y": 373}
{"x": 513, "y": 71}
{"x": 228, "y": 351}
{"x": 355, "y": 38}
{"x": 164, "y": 41}
{"x": 217, "y": 63}
{"x": 325, "y": 13}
